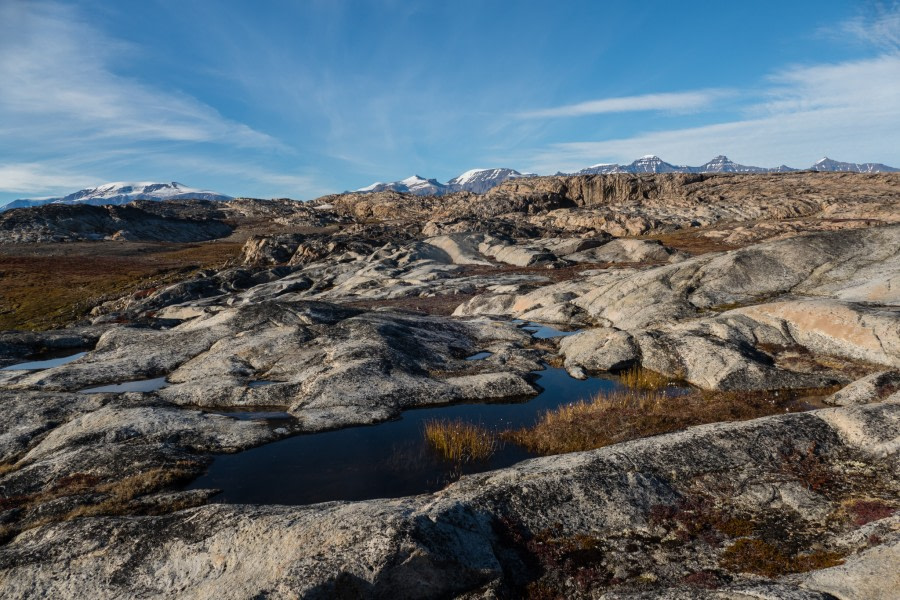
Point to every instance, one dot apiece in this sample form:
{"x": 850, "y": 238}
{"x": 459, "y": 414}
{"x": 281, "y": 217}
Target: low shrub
{"x": 749, "y": 555}
{"x": 866, "y": 511}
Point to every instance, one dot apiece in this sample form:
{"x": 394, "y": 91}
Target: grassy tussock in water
{"x": 644, "y": 379}
{"x": 459, "y": 441}
{"x": 621, "y": 416}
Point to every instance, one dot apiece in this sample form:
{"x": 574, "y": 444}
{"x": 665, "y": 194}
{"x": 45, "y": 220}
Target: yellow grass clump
{"x": 611, "y": 418}
{"x": 644, "y": 379}
{"x": 459, "y": 441}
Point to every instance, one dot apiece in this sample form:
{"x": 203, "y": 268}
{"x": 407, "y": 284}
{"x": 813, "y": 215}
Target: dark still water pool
{"x": 380, "y": 461}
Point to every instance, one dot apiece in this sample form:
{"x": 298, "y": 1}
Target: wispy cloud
{"x": 59, "y": 84}
{"x": 848, "y": 108}
{"x": 38, "y": 178}
{"x": 879, "y": 28}
{"x": 675, "y": 102}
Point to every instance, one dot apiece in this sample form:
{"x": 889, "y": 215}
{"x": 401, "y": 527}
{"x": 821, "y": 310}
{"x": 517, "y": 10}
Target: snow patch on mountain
{"x": 474, "y": 180}
{"x": 827, "y": 164}
{"x": 722, "y": 164}
{"x": 123, "y": 192}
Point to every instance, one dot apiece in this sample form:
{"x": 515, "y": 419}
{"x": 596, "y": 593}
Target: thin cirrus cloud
{"x": 58, "y": 80}
{"x": 882, "y": 31}
{"x": 39, "y": 177}
{"x": 674, "y": 102}
{"x": 845, "y": 107}
{"x": 62, "y": 102}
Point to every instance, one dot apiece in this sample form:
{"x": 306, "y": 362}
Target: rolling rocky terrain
{"x": 347, "y": 311}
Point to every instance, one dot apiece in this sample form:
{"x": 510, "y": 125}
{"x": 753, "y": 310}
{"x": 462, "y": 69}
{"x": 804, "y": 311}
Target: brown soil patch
{"x": 692, "y": 241}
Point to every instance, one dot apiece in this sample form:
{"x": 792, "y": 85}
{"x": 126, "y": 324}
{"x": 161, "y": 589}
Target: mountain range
{"x": 481, "y": 180}
{"x": 123, "y": 193}
{"x": 476, "y": 181}
{"x": 722, "y": 164}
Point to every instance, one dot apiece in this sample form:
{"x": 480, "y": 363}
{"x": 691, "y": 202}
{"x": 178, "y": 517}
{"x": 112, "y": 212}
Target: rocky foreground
{"x": 360, "y": 306}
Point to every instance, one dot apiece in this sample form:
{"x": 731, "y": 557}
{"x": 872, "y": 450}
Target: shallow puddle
{"x": 380, "y": 461}
{"x": 48, "y": 363}
{"x": 142, "y": 385}
{"x": 480, "y": 356}
{"x": 543, "y": 332}
{"x": 261, "y": 383}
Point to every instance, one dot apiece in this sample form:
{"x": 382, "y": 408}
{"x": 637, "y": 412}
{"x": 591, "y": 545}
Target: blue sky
{"x": 303, "y": 98}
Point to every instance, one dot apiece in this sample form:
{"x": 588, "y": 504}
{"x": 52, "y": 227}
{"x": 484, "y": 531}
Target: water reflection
{"x": 36, "y": 365}
{"x": 380, "y": 461}
{"x": 143, "y": 385}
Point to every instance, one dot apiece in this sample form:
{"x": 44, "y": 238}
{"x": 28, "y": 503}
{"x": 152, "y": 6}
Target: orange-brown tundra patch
{"x": 50, "y": 285}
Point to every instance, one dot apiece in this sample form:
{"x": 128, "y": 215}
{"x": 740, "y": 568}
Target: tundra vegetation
{"x": 744, "y": 331}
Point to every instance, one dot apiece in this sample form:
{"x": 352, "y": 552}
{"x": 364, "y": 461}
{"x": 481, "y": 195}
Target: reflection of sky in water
{"x": 385, "y": 460}
{"x": 35, "y": 365}
{"x": 144, "y": 385}
{"x": 543, "y": 332}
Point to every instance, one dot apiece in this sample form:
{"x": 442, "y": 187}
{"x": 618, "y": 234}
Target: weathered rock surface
{"x": 472, "y": 537}
{"x": 336, "y": 314}
{"x": 872, "y": 388}
{"x": 61, "y": 223}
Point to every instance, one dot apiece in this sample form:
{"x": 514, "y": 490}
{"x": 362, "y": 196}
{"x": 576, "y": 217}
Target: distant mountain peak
{"x": 123, "y": 192}
{"x": 828, "y": 164}
{"x": 651, "y": 163}
{"x": 474, "y": 180}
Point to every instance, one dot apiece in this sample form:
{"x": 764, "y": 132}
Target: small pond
{"x": 142, "y": 385}
{"x": 380, "y": 461}
{"x": 46, "y": 360}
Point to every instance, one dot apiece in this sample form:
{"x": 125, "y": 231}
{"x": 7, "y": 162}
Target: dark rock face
{"x": 344, "y": 313}
{"x": 64, "y": 223}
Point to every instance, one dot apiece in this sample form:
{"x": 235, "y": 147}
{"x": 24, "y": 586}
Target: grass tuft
{"x": 749, "y": 555}
{"x": 640, "y": 378}
{"x": 121, "y": 493}
{"x": 611, "y": 418}
{"x": 459, "y": 441}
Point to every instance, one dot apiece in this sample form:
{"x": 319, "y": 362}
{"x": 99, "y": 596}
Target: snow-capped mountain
{"x": 479, "y": 181}
{"x": 475, "y": 180}
{"x": 411, "y": 185}
{"x": 123, "y": 193}
{"x": 827, "y": 164}
{"x": 651, "y": 164}
{"x": 645, "y": 164}
{"x": 722, "y": 164}
{"x": 600, "y": 169}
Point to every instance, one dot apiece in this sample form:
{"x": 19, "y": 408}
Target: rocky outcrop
{"x": 336, "y": 315}
{"x": 327, "y": 365}
{"x": 483, "y": 535}
{"x": 64, "y": 223}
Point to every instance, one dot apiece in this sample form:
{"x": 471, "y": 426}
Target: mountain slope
{"x": 475, "y": 180}
{"x": 827, "y": 164}
{"x": 722, "y": 164}
{"x": 479, "y": 181}
{"x": 415, "y": 184}
{"x": 123, "y": 193}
